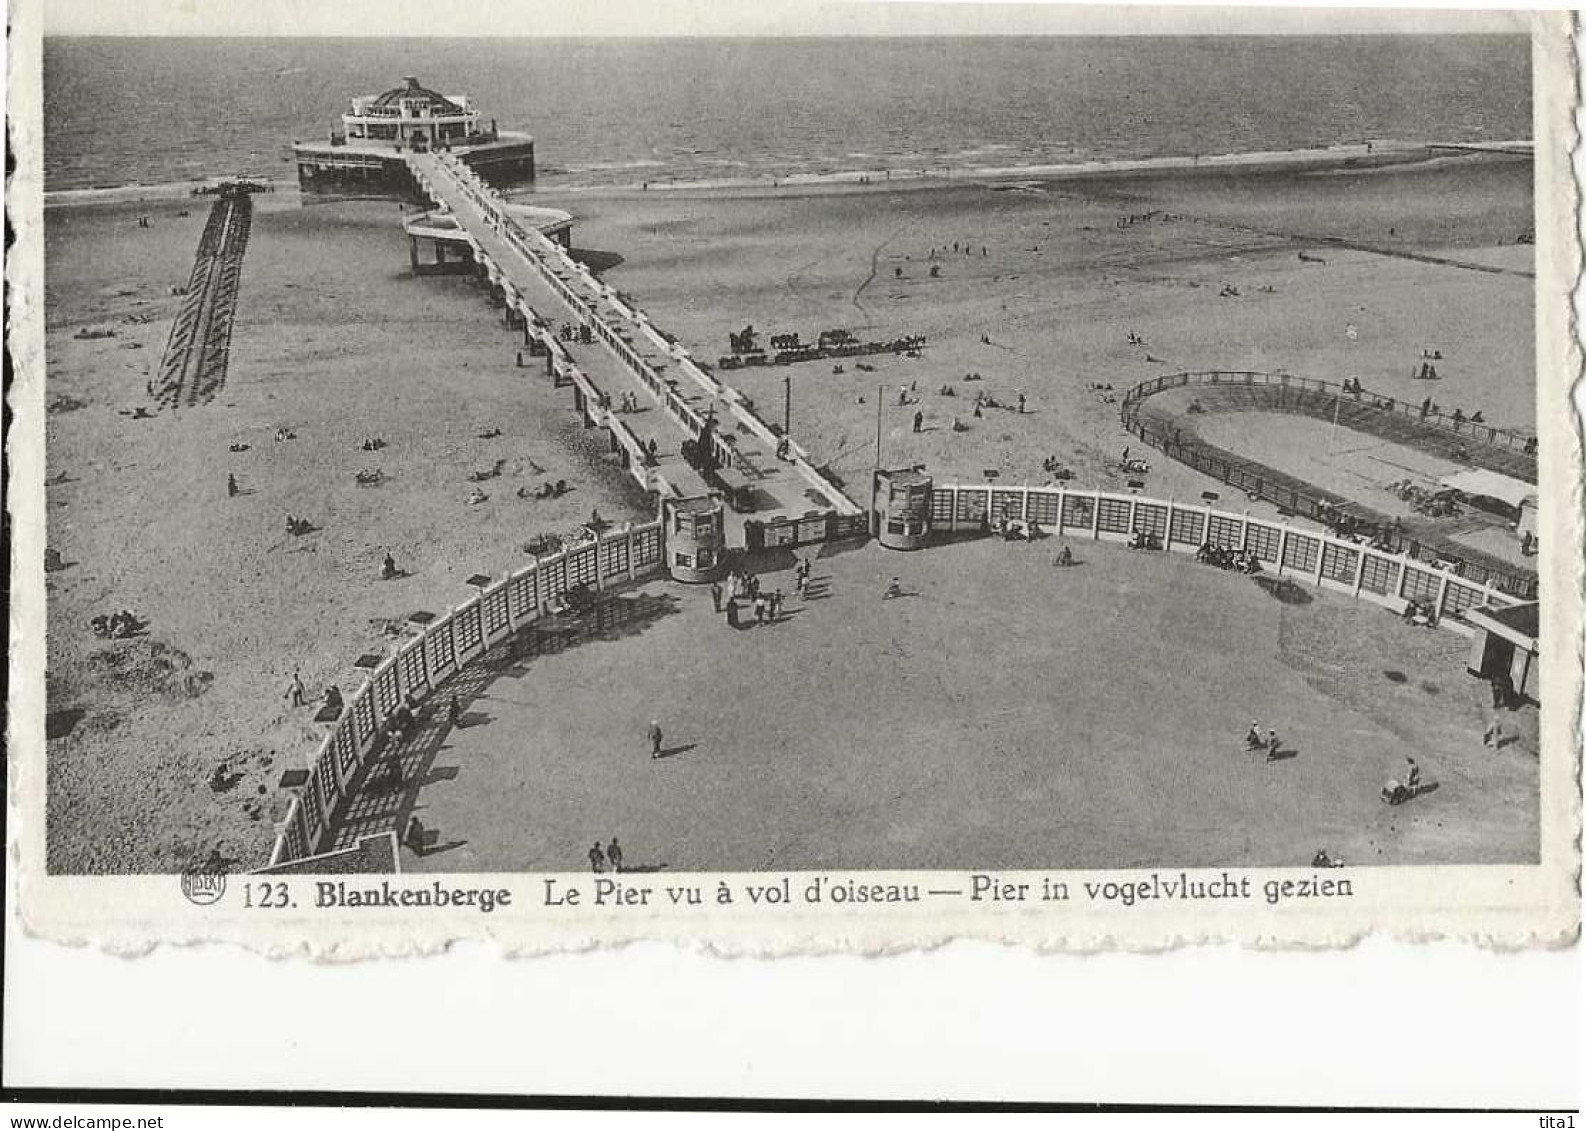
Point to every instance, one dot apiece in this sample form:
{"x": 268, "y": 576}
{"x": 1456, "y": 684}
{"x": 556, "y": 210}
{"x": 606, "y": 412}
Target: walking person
{"x": 294, "y": 690}
{"x": 614, "y": 854}
{"x": 454, "y": 711}
{"x": 231, "y": 484}
{"x": 1493, "y": 735}
{"x": 655, "y": 739}
{"x": 1253, "y": 736}
{"x": 1272, "y": 745}
{"x": 597, "y": 859}
{"x": 414, "y": 837}
{"x": 715, "y": 596}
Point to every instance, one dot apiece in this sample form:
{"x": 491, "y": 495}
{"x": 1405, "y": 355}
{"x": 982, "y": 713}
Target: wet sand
{"x": 337, "y": 341}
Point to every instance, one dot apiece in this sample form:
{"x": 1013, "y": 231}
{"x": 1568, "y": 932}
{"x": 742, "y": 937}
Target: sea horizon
{"x": 612, "y": 111}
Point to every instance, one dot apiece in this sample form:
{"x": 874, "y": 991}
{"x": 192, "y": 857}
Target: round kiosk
{"x": 696, "y": 537}
{"x": 901, "y": 515}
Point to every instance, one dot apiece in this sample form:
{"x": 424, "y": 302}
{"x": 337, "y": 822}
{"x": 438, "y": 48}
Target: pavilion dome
{"x": 412, "y": 90}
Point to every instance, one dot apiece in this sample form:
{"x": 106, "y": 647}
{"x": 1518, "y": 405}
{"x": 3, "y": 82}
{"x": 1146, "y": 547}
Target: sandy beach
{"x": 1056, "y": 285}
{"x": 336, "y": 341}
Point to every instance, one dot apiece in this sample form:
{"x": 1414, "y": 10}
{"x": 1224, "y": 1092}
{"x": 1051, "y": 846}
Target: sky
{"x": 728, "y": 17}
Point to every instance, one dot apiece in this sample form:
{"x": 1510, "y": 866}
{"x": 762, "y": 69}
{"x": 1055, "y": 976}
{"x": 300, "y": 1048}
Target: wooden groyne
{"x": 193, "y": 368}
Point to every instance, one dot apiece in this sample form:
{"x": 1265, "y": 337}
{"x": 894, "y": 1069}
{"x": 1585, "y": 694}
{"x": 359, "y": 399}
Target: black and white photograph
{"x": 701, "y": 552}
{"x": 989, "y": 457}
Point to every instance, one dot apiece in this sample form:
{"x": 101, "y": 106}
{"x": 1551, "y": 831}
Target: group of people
{"x": 1132, "y": 466}
{"x": 373, "y": 444}
{"x": 546, "y": 490}
{"x": 1228, "y": 557}
{"x": 1144, "y": 540}
{"x": 1396, "y": 792}
{"x": 629, "y": 402}
{"x": 298, "y": 526}
{"x": 1016, "y": 529}
{"x": 767, "y": 607}
{"x": 611, "y": 855}
{"x": 115, "y": 626}
{"x": 580, "y": 333}
{"x": 1269, "y": 742}
{"x": 1423, "y": 613}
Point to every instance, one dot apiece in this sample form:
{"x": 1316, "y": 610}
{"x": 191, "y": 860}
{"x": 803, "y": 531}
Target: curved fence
{"x": 425, "y": 661}
{"x": 1298, "y": 497}
{"x": 1504, "y": 440}
{"x": 1388, "y": 579}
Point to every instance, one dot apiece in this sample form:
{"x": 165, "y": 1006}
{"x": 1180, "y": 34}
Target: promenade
{"x": 627, "y": 354}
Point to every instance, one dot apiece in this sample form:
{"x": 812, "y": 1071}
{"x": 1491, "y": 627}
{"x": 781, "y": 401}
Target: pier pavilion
{"x": 364, "y": 159}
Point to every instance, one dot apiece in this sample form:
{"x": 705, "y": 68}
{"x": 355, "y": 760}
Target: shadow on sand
{"x": 384, "y": 792}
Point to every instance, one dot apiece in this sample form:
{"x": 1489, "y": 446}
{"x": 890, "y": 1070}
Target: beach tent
{"x": 1490, "y": 491}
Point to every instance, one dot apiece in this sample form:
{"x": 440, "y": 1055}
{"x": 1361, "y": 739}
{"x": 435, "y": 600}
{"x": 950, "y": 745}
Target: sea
{"x": 163, "y": 112}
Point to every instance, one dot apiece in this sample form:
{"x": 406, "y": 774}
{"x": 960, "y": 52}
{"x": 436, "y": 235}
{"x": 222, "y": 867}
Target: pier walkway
{"x": 769, "y": 478}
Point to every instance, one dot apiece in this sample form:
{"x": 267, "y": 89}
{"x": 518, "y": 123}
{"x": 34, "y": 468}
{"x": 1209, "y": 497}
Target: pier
{"x": 615, "y": 349}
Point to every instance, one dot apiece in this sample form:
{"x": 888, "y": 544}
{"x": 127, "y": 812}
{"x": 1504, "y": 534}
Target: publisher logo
{"x": 204, "y": 885}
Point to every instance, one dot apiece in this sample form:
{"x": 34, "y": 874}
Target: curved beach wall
{"x": 1505, "y": 451}
{"x": 424, "y": 662}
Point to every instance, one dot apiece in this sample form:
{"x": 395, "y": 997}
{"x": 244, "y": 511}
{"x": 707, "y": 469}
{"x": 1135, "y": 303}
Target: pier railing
{"x": 422, "y": 664}
{"x": 552, "y": 263}
{"x": 1389, "y": 579}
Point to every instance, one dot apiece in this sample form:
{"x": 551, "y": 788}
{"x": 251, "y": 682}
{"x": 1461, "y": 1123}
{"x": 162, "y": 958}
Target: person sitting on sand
{"x": 1065, "y": 557}
{"x": 333, "y": 699}
{"x": 476, "y": 496}
{"x": 894, "y": 589}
